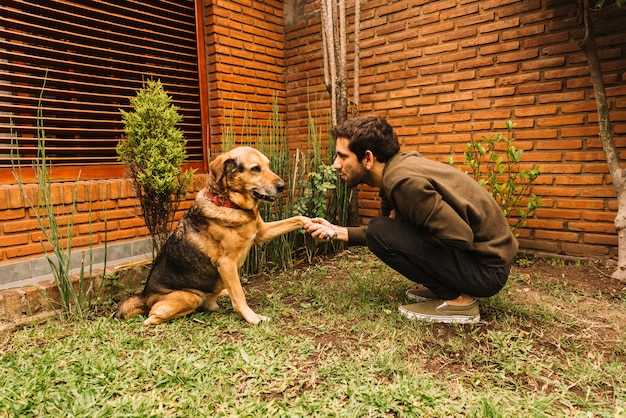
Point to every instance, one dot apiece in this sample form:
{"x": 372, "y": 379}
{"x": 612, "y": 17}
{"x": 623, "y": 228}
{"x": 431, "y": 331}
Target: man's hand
{"x": 321, "y": 229}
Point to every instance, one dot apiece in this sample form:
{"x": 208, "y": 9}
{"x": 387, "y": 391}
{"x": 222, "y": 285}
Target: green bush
{"x": 317, "y": 183}
{"x": 154, "y": 150}
{"x": 494, "y": 162}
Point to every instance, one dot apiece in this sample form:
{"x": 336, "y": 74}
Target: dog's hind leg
{"x": 211, "y": 300}
{"x": 173, "y": 305}
{"x": 133, "y": 306}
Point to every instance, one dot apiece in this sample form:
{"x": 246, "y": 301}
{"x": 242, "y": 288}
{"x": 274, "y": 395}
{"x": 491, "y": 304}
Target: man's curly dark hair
{"x": 369, "y": 133}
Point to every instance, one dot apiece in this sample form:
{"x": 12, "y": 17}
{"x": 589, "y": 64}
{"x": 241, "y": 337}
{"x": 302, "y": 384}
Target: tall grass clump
{"x": 74, "y": 298}
{"x": 154, "y": 150}
{"x": 312, "y": 189}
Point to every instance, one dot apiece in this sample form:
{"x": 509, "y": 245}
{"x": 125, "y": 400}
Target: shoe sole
{"x": 444, "y": 319}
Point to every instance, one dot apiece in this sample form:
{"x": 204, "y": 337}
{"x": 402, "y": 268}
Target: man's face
{"x": 346, "y": 163}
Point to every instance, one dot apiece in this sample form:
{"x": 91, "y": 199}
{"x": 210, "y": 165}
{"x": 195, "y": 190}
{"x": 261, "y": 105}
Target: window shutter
{"x": 93, "y": 56}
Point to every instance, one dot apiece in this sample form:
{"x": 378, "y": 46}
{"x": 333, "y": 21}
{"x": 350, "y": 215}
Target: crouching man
{"x": 440, "y": 228}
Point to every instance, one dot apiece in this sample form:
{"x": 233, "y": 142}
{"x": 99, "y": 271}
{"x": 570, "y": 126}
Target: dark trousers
{"x": 445, "y": 270}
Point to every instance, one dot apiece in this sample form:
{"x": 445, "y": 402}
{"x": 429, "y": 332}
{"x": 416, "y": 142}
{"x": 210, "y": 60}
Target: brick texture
{"x": 246, "y": 62}
{"x": 105, "y": 209}
{"x": 444, "y": 71}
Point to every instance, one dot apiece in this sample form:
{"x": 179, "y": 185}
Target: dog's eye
{"x": 255, "y": 169}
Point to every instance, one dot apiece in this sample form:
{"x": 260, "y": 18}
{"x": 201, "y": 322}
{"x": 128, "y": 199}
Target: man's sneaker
{"x": 441, "y": 311}
{"x": 420, "y": 293}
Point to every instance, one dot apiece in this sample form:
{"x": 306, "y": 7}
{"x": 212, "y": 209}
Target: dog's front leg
{"x": 230, "y": 278}
{"x": 271, "y": 230}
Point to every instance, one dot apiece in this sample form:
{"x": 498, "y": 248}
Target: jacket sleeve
{"x": 417, "y": 201}
{"x": 357, "y": 235}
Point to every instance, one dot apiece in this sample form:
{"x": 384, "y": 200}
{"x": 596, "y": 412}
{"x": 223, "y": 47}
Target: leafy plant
{"x": 494, "y": 162}
{"x": 314, "y": 199}
{"x": 319, "y": 181}
{"x": 154, "y": 150}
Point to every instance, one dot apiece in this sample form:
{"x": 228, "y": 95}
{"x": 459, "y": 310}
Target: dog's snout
{"x": 280, "y": 186}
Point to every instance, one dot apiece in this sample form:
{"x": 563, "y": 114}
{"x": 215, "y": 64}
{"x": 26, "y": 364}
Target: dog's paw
{"x": 152, "y": 320}
{"x": 257, "y": 319}
{"x": 212, "y": 307}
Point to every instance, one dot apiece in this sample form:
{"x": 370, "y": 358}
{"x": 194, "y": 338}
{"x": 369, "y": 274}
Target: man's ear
{"x": 368, "y": 160}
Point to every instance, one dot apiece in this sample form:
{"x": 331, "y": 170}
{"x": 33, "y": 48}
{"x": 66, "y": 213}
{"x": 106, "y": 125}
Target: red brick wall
{"x": 443, "y": 72}
{"x": 246, "y": 64}
{"x": 245, "y": 57}
{"x": 113, "y": 201}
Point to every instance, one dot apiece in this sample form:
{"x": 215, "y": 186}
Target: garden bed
{"x": 552, "y": 343}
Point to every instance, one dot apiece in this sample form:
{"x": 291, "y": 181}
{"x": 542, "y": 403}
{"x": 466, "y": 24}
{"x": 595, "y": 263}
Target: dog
{"x": 200, "y": 260}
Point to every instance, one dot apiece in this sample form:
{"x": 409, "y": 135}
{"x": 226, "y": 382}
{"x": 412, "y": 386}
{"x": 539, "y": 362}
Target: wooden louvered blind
{"x": 93, "y": 55}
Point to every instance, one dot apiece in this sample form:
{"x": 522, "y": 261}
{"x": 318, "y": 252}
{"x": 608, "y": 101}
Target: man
{"x": 440, "y": 228}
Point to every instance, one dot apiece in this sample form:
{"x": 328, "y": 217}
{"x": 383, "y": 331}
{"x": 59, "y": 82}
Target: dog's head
{"x": 244, "y": 175}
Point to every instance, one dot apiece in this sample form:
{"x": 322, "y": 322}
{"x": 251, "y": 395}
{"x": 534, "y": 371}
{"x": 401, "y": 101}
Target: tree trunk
{"x": 328, "y": 27}
{"x": 325, "y": 50}
{"x": 606, "y": 136}
{"x": 342, "y": 88}
{"x": 334, "y": 47}
{"x": 620, "y": 225}
{"x": 357, "y": 52}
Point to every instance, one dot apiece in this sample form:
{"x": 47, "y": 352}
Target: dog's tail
{"x": 133, "y": 306}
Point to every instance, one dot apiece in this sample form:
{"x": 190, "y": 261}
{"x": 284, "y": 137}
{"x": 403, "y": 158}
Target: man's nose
{"x": 336, "y": 164}
{"x": 280, "y": 186}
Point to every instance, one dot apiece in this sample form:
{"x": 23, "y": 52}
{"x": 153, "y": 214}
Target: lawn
{"x": 553, "y": 343}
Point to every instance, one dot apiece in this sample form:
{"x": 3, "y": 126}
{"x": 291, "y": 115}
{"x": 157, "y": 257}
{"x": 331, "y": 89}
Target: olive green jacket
{"x": 442, "y": 201}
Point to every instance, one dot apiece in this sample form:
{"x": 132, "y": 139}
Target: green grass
{"x": 335, "y": 347}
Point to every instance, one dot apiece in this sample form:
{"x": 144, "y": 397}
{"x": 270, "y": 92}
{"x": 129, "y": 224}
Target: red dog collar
{"x": 219, "y": 200}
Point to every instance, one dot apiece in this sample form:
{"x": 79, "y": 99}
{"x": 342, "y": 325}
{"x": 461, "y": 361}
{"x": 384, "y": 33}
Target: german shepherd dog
{"x": 201, "y": 258}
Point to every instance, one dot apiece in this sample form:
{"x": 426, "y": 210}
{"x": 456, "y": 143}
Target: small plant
{"x": 322, "y": 194}
{"x": 154, "y": 150}
{"x": 494, "y": 162}
{"x": 319, "y": 181}
{"x": 314, "y": 199}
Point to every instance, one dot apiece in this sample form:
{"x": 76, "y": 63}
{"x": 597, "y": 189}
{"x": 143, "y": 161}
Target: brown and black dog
{"x": 201, "y": 259}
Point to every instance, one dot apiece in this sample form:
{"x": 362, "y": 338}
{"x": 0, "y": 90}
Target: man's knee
{"x": 377, "y": 234}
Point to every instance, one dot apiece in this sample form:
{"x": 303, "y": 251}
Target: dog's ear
{"x": 216, "y": 168}
{"x": 220, "y": 167}
{"x": 230, "y": 167}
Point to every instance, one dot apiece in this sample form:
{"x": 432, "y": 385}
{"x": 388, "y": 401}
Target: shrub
{"x": 494, "y": 162}
{"x": 154, "y": 150}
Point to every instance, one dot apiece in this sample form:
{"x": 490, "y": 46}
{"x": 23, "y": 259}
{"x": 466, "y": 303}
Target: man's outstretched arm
{"x": 321, "y": 229}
